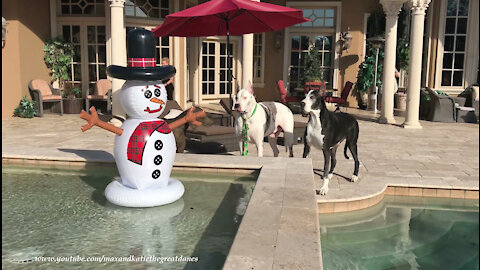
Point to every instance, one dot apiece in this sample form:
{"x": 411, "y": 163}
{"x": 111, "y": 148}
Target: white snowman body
{"x": 157, "y": 159}
{"x": 145, "y": 181}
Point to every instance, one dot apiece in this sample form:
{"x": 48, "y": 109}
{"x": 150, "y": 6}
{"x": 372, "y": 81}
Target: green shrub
{"x": 26, "y": 108}
{"x": 366, "y": 72}
{"x": 403, "y": 54}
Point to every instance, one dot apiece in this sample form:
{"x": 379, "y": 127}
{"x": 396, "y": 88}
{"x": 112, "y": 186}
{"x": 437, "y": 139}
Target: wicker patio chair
{"x": 42, "y": 92}
{"x": 441, "y": 108}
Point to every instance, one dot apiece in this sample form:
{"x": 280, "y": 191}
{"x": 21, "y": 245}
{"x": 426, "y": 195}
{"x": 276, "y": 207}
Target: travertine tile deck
{"x": 441, "y": 159}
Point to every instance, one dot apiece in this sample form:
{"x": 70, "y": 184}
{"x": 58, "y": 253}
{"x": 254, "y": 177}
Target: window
{"x": 97, "y": 54}
{"x": 208, "y": 68}
{"x": 300, "y": 47}
{"x": 214, "y": 68}
{"x": 152, "y": 9}
{"x": 162, "y": 49}
{"x": 454, "y": 43}
{"x": 82, "y": 7}
{"x": 71, "y": 33}
{"x": 258, "y": 41}
{"x": 322, "y": 17}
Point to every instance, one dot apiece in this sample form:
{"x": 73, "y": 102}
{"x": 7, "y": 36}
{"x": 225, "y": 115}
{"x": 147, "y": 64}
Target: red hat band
{"x": 142, "y": 62}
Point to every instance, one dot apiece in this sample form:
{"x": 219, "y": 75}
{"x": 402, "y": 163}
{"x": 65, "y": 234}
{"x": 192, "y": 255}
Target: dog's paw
{"x": 330, "y": 176}
{"x": 354, "y": 178}
{"x": 323, "y": 191}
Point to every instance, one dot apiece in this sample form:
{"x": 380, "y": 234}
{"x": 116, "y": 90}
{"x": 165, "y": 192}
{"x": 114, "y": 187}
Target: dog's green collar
{"x": 245, "y": 132}
{"x": 254, "y": 111}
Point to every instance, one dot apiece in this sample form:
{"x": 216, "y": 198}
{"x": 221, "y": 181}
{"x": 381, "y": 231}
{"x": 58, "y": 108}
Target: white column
{"x": 247, "y": 59}
{"x": 247, "y": 62}
{"x": 119, "y": 55}
{"x": 176, "y": 63}
{"x": 195, "y": 69}
{"x": 391, "y": 9}
{"x": 415, "y": 66}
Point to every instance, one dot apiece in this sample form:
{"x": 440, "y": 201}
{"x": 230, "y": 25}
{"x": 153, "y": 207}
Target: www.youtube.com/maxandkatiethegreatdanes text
{"x": 107, "y": 259}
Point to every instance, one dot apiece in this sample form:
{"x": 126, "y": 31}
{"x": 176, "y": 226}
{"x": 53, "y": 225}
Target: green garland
{"x": 245, "y": 132}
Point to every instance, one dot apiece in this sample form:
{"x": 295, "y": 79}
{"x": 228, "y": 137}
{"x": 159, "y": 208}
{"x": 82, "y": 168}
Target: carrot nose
{"x": 156, "y": 100}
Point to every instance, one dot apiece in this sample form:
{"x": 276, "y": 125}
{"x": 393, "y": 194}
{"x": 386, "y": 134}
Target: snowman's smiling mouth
{"x": 156, "y": 100}
{"x": 154, "y": 111}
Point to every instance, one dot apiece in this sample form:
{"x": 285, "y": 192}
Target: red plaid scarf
{"x": 139, "y": 138}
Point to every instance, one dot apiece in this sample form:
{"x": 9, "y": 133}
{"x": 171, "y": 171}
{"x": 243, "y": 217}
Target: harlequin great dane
{"x": 325, "y": 131}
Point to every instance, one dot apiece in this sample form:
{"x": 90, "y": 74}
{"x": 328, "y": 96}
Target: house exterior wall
{"x": 22, "y": 56}
{"x": 352, "y": 15}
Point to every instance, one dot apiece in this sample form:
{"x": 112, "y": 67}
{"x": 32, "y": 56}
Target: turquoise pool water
{"x": 403, "y": 233}
{"x": 63, "y": 213}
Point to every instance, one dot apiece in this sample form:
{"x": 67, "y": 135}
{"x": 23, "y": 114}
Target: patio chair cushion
{"x": 101, "y": 87}
{"x": 335, "y": 100}
{"x": 284, "y": 98}
{"x": 43, "y": 86}
{"x": 52, "y": 97}
{"x": 97, "y": 97}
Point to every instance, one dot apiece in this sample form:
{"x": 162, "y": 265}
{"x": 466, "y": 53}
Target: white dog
{"x": 262, "y": 119}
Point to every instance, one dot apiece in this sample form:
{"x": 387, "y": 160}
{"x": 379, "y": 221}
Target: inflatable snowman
{"x": 145, "y": 146}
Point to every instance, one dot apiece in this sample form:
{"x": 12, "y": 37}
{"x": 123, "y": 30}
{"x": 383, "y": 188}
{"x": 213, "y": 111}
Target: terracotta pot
{"x": 73, "y": 105}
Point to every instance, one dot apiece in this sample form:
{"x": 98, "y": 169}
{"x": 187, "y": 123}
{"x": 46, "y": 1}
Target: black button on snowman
{"x": 145, "y": 146}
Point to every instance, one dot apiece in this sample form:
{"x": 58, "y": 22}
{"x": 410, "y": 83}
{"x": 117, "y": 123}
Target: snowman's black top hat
{"x": 141, "y": 59}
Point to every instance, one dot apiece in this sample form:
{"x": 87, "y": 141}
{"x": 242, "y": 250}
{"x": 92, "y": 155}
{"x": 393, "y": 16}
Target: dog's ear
{"x": 250, "y": 87}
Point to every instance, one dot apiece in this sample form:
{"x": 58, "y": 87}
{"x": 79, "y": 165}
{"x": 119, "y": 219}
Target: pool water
{"x": 403, "y": 233}
{"x": 62, "y": 213}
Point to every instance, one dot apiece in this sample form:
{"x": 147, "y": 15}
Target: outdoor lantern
{"x": 377, "y": 43}
{"x": 4, "y": 31}
{"x": 278, "y": 40}
{"x": 346, "y": 39}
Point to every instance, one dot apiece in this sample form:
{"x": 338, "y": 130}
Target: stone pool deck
{"x": 439, "y": 160}
{"x": 441, "y": 155}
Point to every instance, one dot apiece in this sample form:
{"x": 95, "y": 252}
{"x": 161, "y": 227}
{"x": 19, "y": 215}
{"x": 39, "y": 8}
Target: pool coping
{"x": 280, "y": 229}
{"x": 353, "y": 203}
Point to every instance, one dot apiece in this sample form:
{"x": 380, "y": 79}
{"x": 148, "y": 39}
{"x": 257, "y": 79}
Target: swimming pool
{"x": 403, "y": 233}
{"x": 62, "y": 213}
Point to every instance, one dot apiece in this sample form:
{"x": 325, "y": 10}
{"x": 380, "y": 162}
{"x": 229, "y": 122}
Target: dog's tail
{"x": 345, "y": 150}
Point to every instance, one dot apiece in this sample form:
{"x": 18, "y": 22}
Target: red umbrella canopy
{"x": 241, "y": 16}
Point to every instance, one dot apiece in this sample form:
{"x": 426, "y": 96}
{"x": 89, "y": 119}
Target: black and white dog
{"x": 325, "y": 131}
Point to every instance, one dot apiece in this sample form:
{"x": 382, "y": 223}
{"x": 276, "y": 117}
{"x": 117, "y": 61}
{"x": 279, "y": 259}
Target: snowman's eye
{"x": 148, "y": 94}
{"x": 157, "y": 92}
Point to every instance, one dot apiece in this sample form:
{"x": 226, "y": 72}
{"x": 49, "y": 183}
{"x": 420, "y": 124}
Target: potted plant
{"x": 366, "y": 74}
{"x": 313, "y": 74}
{"x": 72, "y": 101}
{"x": 403, "y": 58}
{"x": 58, "y": 58}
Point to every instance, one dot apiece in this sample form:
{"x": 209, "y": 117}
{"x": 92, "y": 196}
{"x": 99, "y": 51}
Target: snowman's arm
{"x": 190, "y": 117}
{"x": 94, "y": 121}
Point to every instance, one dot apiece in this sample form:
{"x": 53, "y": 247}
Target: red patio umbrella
{"x": 229, "y": 17}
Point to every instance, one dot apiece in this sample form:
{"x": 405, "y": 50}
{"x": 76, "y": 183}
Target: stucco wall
{"x": 352, "y": 16}
{"x": 29, "y": 26}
